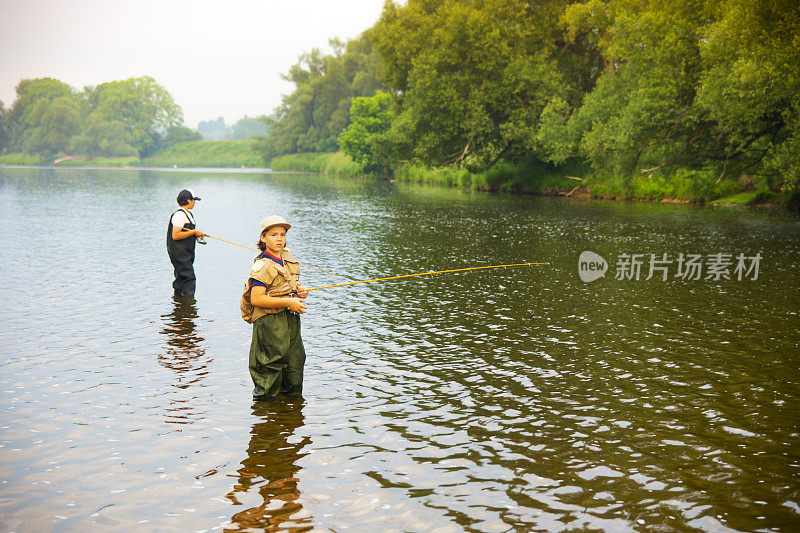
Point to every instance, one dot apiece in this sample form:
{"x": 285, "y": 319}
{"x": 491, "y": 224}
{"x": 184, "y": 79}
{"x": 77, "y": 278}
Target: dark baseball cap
{"x": 186, "y": 194}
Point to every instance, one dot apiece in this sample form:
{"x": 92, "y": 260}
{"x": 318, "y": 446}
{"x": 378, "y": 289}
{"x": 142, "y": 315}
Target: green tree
{"x": 145, "y": 108}
{"x": 179, "y": 134}
{"x": 102, "y": 137}
{"x": 371, "y": 117}
{"x": 34, "y": 97}
{"x": 472, "y": 78}
{"x": 53, "y": 125}
{"x": 685, "y": 85}
{"x": 640, "y": 115}
{"x": 750, "y": 88}
{"x": 315, "y": 113}
{"x": 5, "y": 128}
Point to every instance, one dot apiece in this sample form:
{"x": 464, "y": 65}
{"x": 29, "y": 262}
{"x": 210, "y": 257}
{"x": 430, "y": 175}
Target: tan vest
{"x": 280, "y": 281}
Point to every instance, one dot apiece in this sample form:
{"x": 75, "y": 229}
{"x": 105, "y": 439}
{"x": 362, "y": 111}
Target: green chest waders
{"x": 181, "y": 254}
{"x": 277, "y": 355}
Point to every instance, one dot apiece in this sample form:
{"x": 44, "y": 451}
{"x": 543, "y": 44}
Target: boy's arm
{"x": 180, "y": 233}
{"x": 260, "y": 298}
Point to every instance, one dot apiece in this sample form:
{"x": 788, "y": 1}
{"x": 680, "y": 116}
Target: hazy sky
{"x": 216, "y": 58}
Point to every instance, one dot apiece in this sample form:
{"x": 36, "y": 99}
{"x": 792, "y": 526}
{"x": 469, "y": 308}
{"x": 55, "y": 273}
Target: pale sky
{"x": 216, "y": 58}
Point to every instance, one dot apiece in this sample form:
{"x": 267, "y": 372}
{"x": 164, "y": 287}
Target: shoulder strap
{"x": 189, "y": 216}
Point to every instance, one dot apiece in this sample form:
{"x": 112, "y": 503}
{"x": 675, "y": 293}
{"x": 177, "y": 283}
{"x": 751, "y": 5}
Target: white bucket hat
{"x": 274, "y": 220}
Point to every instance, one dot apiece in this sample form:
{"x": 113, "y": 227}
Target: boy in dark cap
{"x": 181, "y": 238}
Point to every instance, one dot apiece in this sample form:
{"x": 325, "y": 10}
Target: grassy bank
{"x": 337, "y": 164}
{"x": 230, "y": 154}
{"x": 532, "y": 177}
{"x": 690, "y": 186}
{"x": 572, "y": 180}
{"x": 22, "y": 159}
{"x": 129, "y": 161}
{"x": 76, "y": 161}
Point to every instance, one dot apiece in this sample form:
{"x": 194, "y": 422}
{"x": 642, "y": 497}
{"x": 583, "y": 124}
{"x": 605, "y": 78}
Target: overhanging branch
{"x": 676, "y": 155}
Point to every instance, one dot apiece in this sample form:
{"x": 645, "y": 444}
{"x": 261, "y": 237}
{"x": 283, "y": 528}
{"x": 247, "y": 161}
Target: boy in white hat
{"x": 273, "y": 301}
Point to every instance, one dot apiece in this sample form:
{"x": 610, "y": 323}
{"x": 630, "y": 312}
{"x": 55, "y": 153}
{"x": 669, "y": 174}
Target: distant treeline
{"x": 114, "y": 122}
{"x": 244, "y": 128}
{"x": 120, "y": 118}
{"x": 699, "y": 93}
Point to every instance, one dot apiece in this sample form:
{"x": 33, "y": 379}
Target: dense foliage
{"x": 5, "y": 132}
{"x": 370, "y": 118}
{"x": 314, "y": 115}
{"x": 709, "y": 87}
{"x": 472, "y": 78}
{"x": 118, "y": 118}
{"x": 688, "y": 94}
{"x": 692, "y": 98}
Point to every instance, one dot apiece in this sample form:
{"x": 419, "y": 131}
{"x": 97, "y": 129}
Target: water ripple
{"x": 516, "y": 399}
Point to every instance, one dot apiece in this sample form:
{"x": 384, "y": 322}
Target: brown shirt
{"x": 280, "y": 281}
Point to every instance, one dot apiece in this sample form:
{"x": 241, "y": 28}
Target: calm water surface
{"x": 517, "y": 399}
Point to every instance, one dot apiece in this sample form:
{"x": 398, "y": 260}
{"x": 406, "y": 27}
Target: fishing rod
{"x": 257, "y": 250}
{"x": 422, "y": 274}
{"x": 379, "y": 279}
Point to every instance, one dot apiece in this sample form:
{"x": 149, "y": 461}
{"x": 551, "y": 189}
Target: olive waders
{"x": 181, "y": 254}
{"x": 277, "y": 355}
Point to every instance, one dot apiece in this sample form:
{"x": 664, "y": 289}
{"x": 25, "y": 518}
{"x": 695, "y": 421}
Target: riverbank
{"x": 691, "y": 187}
{"x": 200, "y": 154}
{"x": 335, "y": 164}
{"x": 208, "y": 154}
{"x": 528, "y": 178}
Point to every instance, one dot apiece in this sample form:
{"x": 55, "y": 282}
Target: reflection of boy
{"x": 270, "y": 470}
{"x": 272, "y": 301}
{"x": 181, "y": 238}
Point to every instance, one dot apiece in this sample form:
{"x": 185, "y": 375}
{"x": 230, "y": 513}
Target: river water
{"x": 516, "y": 399}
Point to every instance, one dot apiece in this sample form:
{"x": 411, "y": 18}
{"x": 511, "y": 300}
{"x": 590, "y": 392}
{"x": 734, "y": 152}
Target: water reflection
{"x": 271, "y": 470}
{"x": 184, "y": 355}
{"x": 507, "y": 400}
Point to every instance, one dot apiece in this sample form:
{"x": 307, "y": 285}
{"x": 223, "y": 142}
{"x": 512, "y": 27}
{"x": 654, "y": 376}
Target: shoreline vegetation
{"x": 547, "y": 180}
{"x": 190, "y": 154}
{"x": 669, "y": 101}
{"x": 659, "y": 101}
{"x": 535, "y": 178}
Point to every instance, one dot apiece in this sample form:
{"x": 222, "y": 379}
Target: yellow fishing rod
{"x": 422, "y": 274}
{"x": 379, "y": 279}
{"x": 257, "y": 250}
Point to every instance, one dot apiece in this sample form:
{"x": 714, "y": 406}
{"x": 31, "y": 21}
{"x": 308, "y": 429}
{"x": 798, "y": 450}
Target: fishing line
{"x": 257, "y": 250}
{"x": 422, "y": 274}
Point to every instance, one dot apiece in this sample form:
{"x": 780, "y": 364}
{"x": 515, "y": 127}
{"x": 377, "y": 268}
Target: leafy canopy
{"x": 370, "y": 118}
{"x": 133, "y": 116}
{"x": 145, "y": 108}
{"x": 312, "y": 117}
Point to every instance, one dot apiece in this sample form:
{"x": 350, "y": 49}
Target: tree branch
{"x": 496, "y": 159}
{"x": 463, "y": 154}
{"x": 678, "y": 154}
